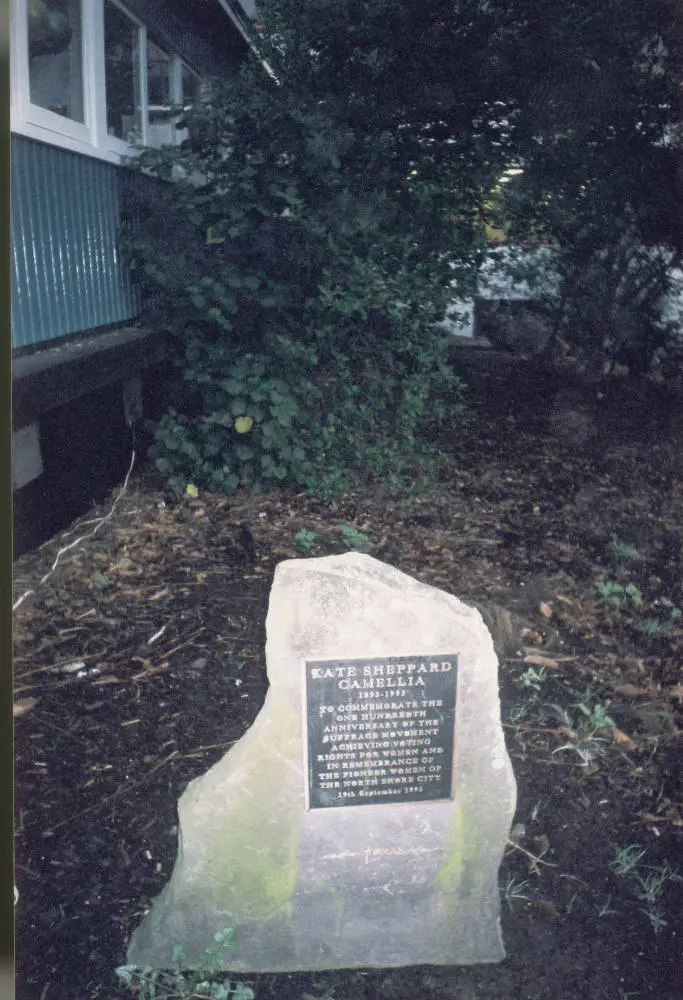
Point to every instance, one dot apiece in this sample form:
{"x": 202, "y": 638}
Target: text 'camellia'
{"x": 370, "y": 739}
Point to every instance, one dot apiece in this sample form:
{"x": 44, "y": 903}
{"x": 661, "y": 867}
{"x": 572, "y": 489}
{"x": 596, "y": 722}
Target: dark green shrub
{"x": 250, "y": 432}
{"x": 304, "y": 297}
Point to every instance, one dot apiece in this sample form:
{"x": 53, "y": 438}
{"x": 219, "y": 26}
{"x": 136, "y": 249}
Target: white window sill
{"x": 112, "y": 152}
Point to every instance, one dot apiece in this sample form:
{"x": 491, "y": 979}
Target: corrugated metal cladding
{"x": 67, "y": 270}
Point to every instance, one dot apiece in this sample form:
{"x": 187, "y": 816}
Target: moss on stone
{"x": 251, "y": 863}
{"x": 457, "y": 847}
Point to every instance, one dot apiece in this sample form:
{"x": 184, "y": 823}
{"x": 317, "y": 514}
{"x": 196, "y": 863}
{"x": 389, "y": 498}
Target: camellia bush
{"x": 327, "y": 205}
{"x": 303, "y": 262}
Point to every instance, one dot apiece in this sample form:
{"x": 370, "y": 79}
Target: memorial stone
{"x": 362, "y": 819}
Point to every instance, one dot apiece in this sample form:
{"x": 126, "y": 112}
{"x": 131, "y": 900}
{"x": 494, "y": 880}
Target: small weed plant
{"x": 181, "y": 984}
{"x": 532, "y": 679}
{"x": 604, "y": 909}
{"x": 628, "y": 597}
{"x": 624, "y": 551}
{"x": 515, "y": 890}
{"x": 648, "y": 883}
{"x": 519, "y": 713}
{"x": 583, "y": 728}
{"x": 354, "y": 539}
{"x": 595, "y": 719}
{"x": 619, "y": 596}
{"x": 306, "y": 538}
{"x": 651, "y": 882}
{"x": 654, "y": 627}
{"x": 669, "y": 620}
{"x": 626, "y": 859}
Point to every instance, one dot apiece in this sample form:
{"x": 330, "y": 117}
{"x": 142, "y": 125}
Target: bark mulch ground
{"x": 139, "y": 661}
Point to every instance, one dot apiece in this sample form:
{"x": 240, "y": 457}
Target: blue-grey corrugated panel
{"x": 67, "y": 274}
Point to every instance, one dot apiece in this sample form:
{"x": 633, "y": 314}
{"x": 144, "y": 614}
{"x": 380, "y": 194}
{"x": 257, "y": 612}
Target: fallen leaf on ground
{"x": 540, "y": 661}
{"x": 542, "y": 651}
{"x": 23, "y": 706}
{"x": 632, "y": 691}
{"x": 620, "y": 737}
{"x": 545, "y": 609}
{"x": 123, "y": 564}
{"x": 140, "y": 659}
{"x": 68, "y": 668}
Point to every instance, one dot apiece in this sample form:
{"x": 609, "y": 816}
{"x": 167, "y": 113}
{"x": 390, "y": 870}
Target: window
{"x": 88, "y": 75}
{"x": 159, "y": 83}
{"x": 190, "y": 85}
{"x": 139, "y": 103}
{"x": 55, "y": 57}
{"x": 122, "y": 75}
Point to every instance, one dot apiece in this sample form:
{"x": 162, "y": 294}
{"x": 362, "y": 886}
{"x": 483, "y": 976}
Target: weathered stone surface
{"x": 394, "y": 884}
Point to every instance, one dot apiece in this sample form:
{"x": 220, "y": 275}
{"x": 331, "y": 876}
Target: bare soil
{"x": 139, "y": 661}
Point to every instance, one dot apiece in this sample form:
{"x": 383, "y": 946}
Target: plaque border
{"x": 369, "y": 659}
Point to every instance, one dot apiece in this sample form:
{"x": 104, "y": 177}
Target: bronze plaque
{"x": 380, "y": 729}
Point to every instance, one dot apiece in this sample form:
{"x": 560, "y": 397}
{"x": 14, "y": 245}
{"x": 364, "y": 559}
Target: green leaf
{"x": 305, "y": 538}
{"x": 127, "y": 973}
{"x": 244, "y": 452}
{"x": 253, "y": 282}
{"x": 241, "y": 991}
{"x": 212, "y": 237}
{"x": 220, "y": 417}
{"x": 234, "y": 386}
{"x": 239, "y": 406}
{"x": 283, "y": 416}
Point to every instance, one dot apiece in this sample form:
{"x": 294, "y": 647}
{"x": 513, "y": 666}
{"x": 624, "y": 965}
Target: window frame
{"x": 89, "y": 137}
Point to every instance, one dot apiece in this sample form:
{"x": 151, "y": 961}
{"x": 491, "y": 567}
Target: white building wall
{"x": 497, "y": 280}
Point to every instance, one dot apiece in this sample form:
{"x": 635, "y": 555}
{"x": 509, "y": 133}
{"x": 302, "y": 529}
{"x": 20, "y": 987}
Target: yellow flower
{"x": 191, "y": 490}
{"x": 243, "y": 424}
